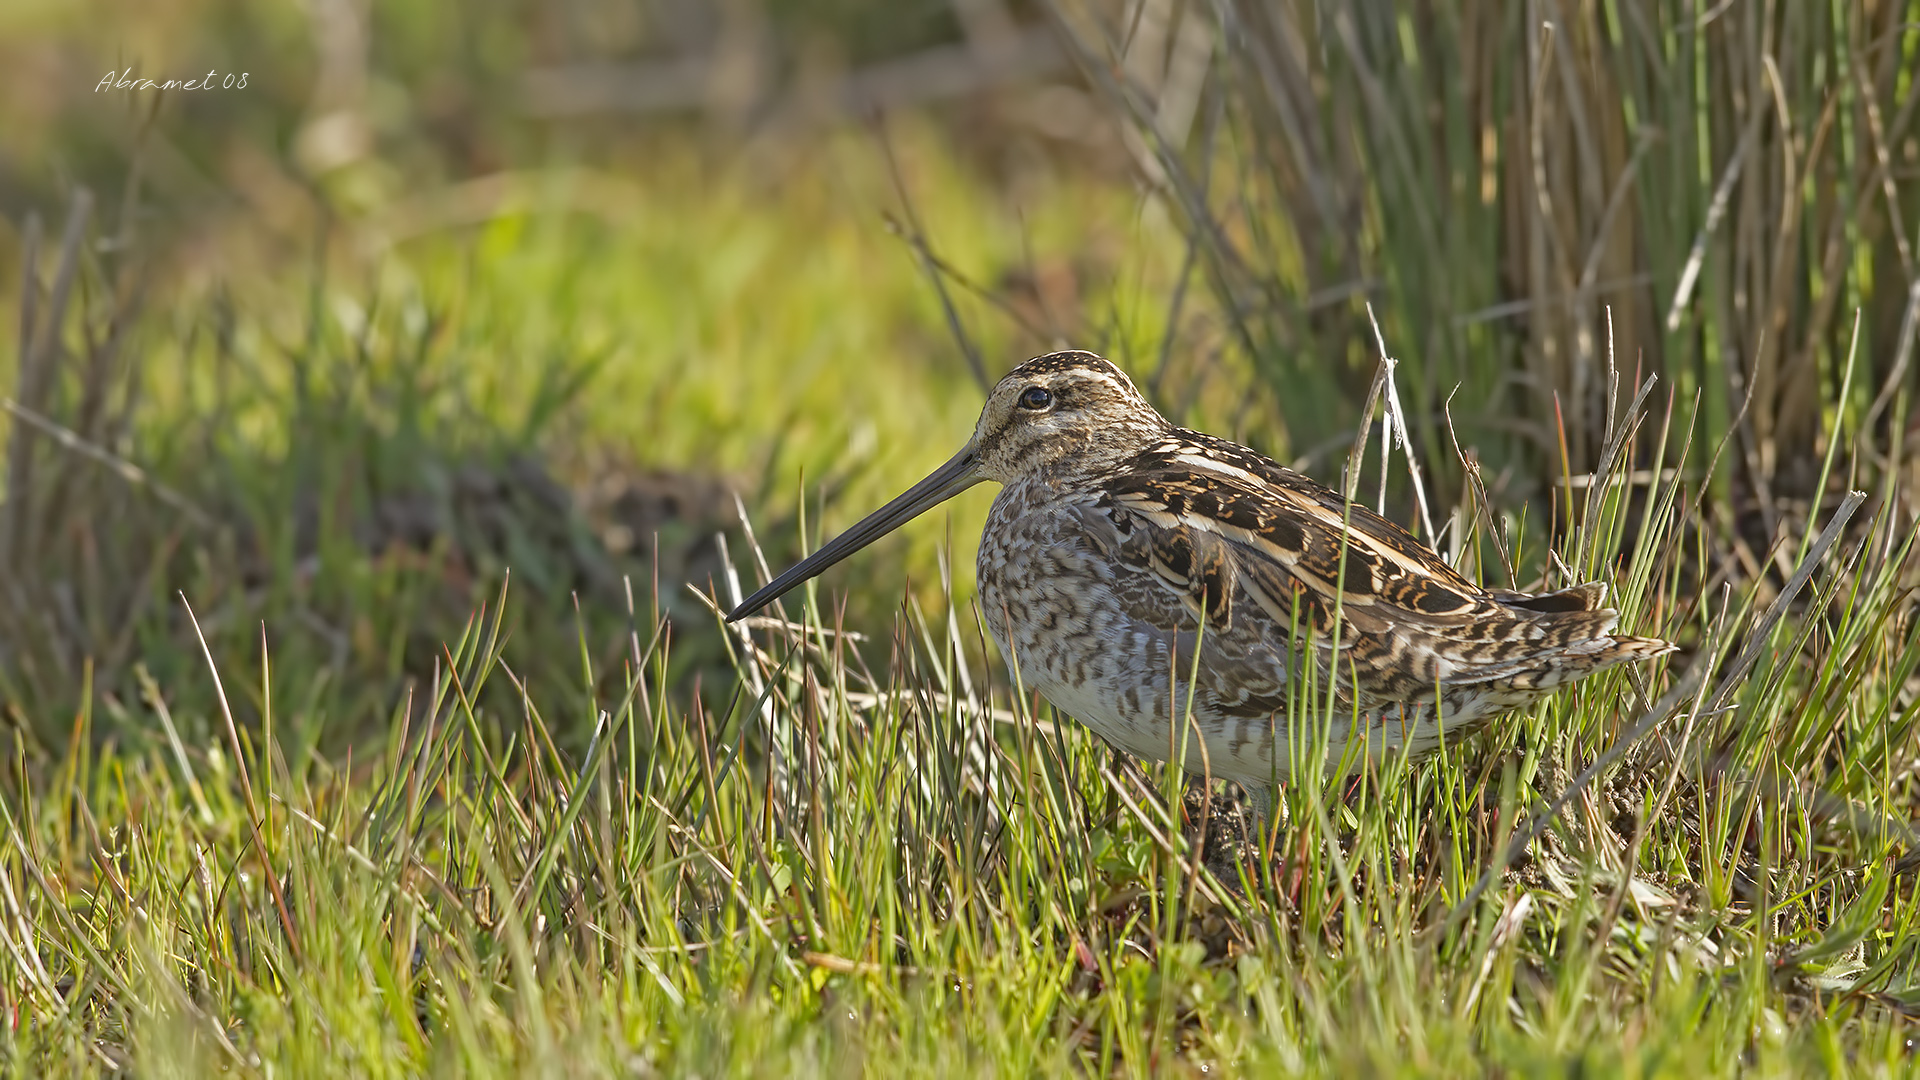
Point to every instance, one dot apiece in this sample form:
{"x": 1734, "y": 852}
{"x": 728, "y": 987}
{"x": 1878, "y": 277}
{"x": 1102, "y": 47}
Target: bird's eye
{"x": 1036, "y": 398}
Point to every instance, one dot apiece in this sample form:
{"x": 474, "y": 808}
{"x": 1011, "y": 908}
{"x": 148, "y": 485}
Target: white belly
{"x": 1118, "y": 679}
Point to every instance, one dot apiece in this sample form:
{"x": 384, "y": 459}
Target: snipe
{"x": 1119, "y": 544}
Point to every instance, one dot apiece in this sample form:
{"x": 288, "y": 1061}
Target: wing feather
{"x": 1220, "y": 527}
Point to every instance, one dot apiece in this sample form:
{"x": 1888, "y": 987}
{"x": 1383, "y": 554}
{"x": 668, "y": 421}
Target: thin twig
{"x": 916, "y": 238}
{"x": 1397, "y": 421}
{"x": 119, "y": 466}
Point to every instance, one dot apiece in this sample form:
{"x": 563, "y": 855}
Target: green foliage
{"x": 1725, "y": 195}
{"x": 369, "y": 811}
{"x": 906, "y": 872}
{"x": 362, "y": 451}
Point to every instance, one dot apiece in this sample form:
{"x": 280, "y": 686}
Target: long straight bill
{"x": 956, "y": 476}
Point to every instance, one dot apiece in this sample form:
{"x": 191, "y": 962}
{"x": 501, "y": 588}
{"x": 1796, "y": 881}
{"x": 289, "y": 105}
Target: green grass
{"x": 392, "y": 816}
{"x": 870, "y": 857}
{"x": 688, "y": 316}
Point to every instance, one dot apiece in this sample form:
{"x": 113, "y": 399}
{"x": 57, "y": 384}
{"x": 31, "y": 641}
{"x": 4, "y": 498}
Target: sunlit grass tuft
{"x": 618, "y": 839}
{"x": 869, "y": 855}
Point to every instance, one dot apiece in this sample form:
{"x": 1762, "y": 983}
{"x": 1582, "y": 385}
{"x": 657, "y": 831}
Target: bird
{"x": 1150, "y": 580}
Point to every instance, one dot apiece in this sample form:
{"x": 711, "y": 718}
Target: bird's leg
{"x": 1353, "y": 788}
{"x": 1259, "y": 813}
{"x": 1259, "y": 807}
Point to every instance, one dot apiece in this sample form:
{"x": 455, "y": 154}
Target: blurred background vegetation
{"x": 449, "y": 289}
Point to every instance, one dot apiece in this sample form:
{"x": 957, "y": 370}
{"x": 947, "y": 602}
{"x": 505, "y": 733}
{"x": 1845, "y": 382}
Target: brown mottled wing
{"x": 1220, "y": 526}
{"x": 1184, "y": 585}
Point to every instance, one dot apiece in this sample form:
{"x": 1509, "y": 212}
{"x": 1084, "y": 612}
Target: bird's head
{"x": 1061, "y": 416}
{"x": 1056, "y": 418}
